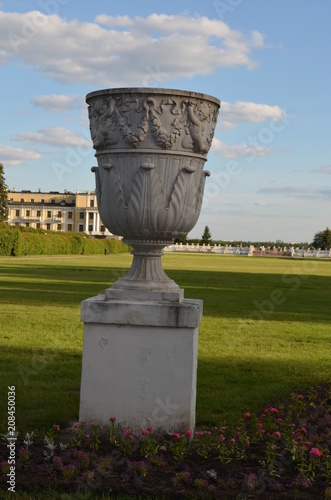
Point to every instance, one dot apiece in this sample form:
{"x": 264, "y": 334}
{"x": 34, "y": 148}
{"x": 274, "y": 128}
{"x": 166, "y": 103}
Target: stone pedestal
{"x": 140, "y": 362}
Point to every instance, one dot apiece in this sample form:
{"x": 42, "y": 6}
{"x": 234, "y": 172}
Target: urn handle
{"x": 98, "y": 186}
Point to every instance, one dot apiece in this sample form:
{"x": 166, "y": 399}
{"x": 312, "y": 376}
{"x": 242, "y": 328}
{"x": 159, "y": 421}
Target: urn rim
{"x": 152, "y": 90}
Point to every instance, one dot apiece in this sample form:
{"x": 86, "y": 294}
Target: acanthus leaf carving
{"x": 144, "y": 202}
{"x": 178, "y": 197}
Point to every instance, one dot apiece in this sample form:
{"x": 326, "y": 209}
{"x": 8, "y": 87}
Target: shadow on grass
{"x": 47, "y": 386}
{"x": 47, "y": 383}
{"x": 225, "y": 294}
{"x": 228, "y": 388}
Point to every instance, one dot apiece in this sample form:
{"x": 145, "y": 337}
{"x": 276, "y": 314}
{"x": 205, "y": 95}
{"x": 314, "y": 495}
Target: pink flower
{"x": 201, "y": 433}
{"x": 145, "y": 432}
{"x": 259, "y": 425}
{"x": 188, "y": 433}
{"x": 279, "y": 420}
{"x": 127, "y": 432}
{"x": 87, "y": 436}
{"x": 150, "y": 429}
{"x": 277, "y": 434}
{"x": 232, "y": 441}
{"x": 273, "y": 410}
{"x": 176, "y": 435}
{"x": 316, "y": 452}
{"x": 303, "y": 430}
{"x": 247, "y": 415}
{"x": 130, "y": 437}
{"x": 112, "y": 419}
{"x": 83, "y": 422}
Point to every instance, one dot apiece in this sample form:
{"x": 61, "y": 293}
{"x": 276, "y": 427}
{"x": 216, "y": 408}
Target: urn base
{"x": 146, "y": 279}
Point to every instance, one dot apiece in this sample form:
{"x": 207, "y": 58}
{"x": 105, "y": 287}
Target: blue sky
{"x": 267, "y": 61}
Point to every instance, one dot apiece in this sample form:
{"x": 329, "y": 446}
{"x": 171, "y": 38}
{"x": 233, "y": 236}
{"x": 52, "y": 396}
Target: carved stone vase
{"x": 151, "y": 146}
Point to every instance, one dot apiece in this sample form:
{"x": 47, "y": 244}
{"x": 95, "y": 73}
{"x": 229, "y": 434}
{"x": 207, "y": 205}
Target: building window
{"x": 59, "y": 214}
{"x": 38, "y": 213}
{"x": 91, "y": 203}
{"x": 102, "y": 229}
{"x": 32, "y": 200}
{"x": 27, "y": 224}
{"x": 49, "y": 214}
{"x": 11, "y": 199}
{"x": 17, "y": 213}
{"x": 42, "y": 200}
{"x": 80, "y": 228}
{"x": 48, "y": 227}
{"x": 69, "y": 227}
{"x": 38, "y": 225}
{"x": 22, "y": 200}
{"x": 91, "y": 216}
{"x": 53, "y": 200}
{"x": 69, "y": 215}
{"x": 81, "y": 215}
{"x": 27, "y": 213}
{"x": 59, "y": 227}
{"x": 90, "y": 228}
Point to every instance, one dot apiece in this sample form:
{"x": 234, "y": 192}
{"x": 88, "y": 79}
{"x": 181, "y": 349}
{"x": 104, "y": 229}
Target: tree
{"x": 206, "y": 237}
{"x": 3, "y": 197}
{"x": 322, "y": 239}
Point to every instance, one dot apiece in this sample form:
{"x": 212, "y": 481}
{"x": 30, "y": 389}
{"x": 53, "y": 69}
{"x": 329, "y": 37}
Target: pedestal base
{"x": 140, "y": 363}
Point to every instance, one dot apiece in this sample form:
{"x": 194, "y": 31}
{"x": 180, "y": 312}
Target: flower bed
{"x": 283, "y": 452}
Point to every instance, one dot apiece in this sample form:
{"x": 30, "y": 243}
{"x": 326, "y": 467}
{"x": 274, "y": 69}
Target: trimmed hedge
{"x": 19, "y": 241}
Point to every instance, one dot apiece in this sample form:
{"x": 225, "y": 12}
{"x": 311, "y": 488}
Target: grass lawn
{"x": 265, "y": 331}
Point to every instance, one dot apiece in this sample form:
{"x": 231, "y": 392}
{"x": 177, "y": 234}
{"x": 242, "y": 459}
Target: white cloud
{"x": 299, "y": 192}
{"x": 119, "y": 50}
{"x": 14, "y": 156}
{"x": 53, "y": 136}
{"x": 55, "y": 102}
{"x": 322, "y": 170}
{"x": 237, "y": 150}
{"x": 248, "y": 112}
{"x": 264, "y": 204}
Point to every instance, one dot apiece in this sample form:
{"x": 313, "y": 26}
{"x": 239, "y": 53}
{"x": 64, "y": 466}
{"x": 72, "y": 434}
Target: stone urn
{"x": 151, "y": 146}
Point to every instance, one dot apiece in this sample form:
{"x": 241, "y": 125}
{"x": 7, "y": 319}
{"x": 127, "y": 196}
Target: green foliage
{"x": 9, "y": 240}
{"x": 322, "y": 239}
{"x": 21, "y": 241}
{"x": 3, "y": 197}
{"x": 206, "y": 237}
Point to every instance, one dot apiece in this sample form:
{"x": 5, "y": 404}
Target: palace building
{"x": 56, "y": 211}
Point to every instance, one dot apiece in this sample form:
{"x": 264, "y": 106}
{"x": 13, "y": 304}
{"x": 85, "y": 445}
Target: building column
{"x": 86, "y": 221}
{"x": 98, "y": 223}
{"x": 64, "y": 220}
